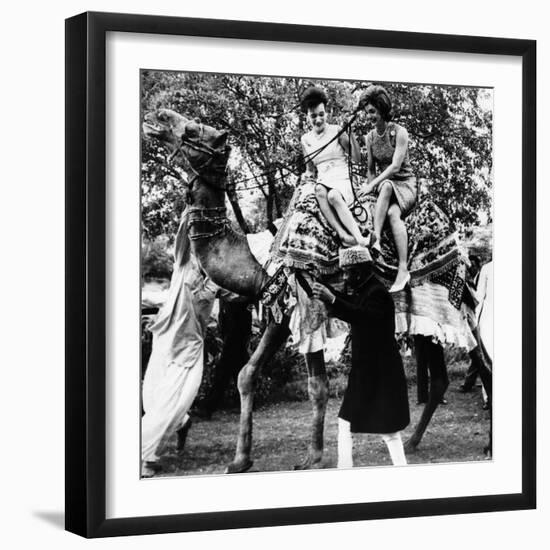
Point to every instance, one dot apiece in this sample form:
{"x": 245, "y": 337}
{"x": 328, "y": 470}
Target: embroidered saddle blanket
{"x": 307, "y": 242}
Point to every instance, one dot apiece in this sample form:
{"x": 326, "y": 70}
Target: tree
{"x": 450, "y": 131}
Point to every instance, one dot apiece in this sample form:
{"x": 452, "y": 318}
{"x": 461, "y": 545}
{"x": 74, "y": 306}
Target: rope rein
{"x": 203, "y": 148}
{"x": 357, "y": 209}
{"x": 216, "y": 217}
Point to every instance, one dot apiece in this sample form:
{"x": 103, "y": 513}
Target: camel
{"x": 226, "y": 258}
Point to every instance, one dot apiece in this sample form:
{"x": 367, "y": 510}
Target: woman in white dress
{"x": 326, "y": 163}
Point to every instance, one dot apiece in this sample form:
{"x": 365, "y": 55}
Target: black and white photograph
{"x": 316, "y": 273}
{"x": 259, "y": 261}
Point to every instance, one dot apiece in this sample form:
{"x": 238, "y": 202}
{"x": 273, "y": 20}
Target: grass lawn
{"x": 457, "y": 433}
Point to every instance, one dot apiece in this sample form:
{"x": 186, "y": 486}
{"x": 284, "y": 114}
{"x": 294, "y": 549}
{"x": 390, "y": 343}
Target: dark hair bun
{"x": 379, "y": 97}
{"x": 312, "y": 97}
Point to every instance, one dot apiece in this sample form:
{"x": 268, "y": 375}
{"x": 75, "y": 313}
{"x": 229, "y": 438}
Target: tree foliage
{"x": 450, "y": 130}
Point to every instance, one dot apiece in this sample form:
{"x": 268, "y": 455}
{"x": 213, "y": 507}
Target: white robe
{"x": 175, "y": 368}
{"x": 484, "y": 310}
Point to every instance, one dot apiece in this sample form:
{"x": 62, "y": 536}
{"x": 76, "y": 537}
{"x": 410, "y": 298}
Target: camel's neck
{"x": 222, "y": 253}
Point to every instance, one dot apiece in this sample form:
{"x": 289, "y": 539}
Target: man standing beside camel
{"x": 175, "y": 368}
{"x": 376, "y": 399}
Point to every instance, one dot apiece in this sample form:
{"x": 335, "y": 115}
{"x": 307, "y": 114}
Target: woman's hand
{"x": 369, "y": 188}
{"x": 323, "y": 293}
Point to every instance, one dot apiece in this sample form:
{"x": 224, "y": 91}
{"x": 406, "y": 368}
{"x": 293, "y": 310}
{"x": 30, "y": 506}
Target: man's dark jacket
{"x": 376, "y": 399}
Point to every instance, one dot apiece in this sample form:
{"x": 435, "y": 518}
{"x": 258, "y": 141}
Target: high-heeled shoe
{"x": 347, "y": 241}
{"x": 375, "y": 247}
{"x": 364, "y": 242}
{"x": 402, "y": 285}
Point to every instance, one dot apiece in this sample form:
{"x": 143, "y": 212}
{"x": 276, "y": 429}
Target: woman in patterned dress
{"x": 326, "y": 162}
{"x": 395, "y": 182}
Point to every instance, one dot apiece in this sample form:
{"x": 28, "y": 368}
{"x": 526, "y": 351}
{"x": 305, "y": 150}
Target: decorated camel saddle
{"x": 433, "y": 303}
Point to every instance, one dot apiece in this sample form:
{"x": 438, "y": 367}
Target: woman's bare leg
{"x": 381, "y": 208}
{"x": 337, "y": 202}
{"x": 322, "y": 198}
{"x": 400, "y": 238}
{"x": 399, "y": 231}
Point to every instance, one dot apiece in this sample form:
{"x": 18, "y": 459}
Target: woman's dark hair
{"x": 379, "y": 97}
{"x": 312, "y": 97}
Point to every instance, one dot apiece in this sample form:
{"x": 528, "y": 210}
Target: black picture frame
{"x": 86, "y": 275}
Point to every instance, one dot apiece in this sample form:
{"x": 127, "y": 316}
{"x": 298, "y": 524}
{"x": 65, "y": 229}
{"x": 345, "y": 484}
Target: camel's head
{"x": 197, "y": 142}
{"x": 165, "y": 125}
{"x": 204, "y": 147}
{"x": 203, "y": 150}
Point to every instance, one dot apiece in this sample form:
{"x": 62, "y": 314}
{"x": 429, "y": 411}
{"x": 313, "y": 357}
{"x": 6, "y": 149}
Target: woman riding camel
{"x": 325, "y": 153}
{"x": 395, "y": 183}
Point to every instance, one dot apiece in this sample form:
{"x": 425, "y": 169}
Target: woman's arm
{"x": 401, "y": 144}
{"x": 370, "y": 166}
{"x": 351, "y": 147}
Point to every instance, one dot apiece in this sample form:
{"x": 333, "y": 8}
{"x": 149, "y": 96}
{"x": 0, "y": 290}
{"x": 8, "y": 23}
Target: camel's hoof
{"x": 239, "y": 467}
{"x": 410, "y": 446}
{"x": 309, "y": 463}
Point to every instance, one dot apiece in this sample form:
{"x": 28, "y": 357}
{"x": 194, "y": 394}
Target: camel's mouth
{"x": 151, "y": 129}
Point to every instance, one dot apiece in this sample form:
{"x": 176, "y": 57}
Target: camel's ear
{"x": 220, "y": 140}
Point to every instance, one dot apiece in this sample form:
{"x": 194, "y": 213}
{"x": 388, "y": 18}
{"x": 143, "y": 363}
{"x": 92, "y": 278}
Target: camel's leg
{"x": 439, "y": 383}
{"x": 317, "y": 387}
{"x": 235, "y": 323}
{"x": 273, "y": 337}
